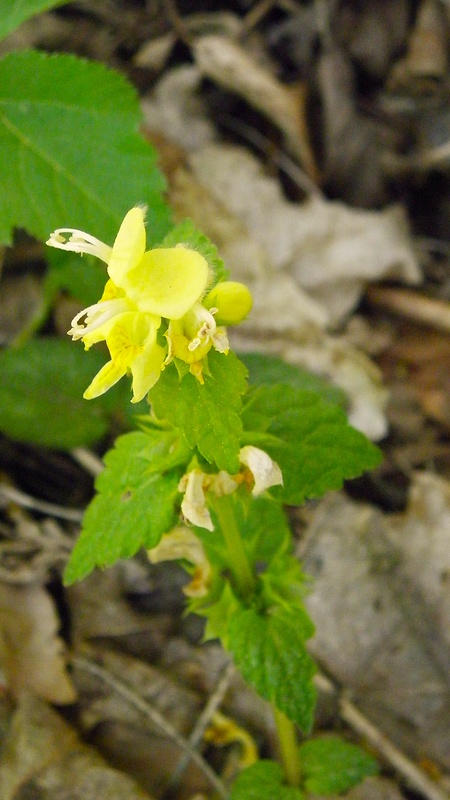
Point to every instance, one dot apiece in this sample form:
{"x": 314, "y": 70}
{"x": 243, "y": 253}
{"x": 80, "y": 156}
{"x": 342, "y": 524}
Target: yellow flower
{"x": 191, "y": 337}
{"x": 143, "y": 288}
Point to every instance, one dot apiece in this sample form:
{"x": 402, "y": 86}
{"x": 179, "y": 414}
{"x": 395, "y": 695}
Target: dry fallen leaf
{"x": 381, "y": 606}
{"x": 31, "y": 652}
{"x": 42, "y": 757}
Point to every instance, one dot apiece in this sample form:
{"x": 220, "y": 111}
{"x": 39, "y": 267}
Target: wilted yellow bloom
{"x": 262, "y": 470}
{"x": 182, "y": 543}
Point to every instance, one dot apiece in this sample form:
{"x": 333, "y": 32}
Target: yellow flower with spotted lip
{"x": 143, "y": 287}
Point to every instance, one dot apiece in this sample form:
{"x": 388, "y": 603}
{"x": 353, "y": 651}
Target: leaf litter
{"x": 310, "y": 256}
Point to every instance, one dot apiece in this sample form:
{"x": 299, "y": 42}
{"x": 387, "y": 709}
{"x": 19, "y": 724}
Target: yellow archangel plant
{"x": 161, "y": 289}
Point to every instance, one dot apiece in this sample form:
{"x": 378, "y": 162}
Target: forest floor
{"x": 311, "y": 142}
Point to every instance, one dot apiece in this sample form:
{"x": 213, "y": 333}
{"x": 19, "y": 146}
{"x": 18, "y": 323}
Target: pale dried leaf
{"x": 223, "y": 60}
{"x": 31, "y": 652}
{"x": 42, "y": 757}
{"x": 366, "y": 610}
{"x": 331, "y": 250}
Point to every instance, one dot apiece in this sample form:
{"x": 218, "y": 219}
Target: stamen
{"x": 79, "y": 242}
{"x": 95, "y": 316}
{"x": 194, "y": 344}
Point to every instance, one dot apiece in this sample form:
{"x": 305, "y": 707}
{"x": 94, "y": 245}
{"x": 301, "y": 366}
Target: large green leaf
{"x": 207, "y": 414}
{"x": 14, "y": 12}
{"x": 265, "y": 369}
{"x": 309, "y": 438}
{"x": 133, "y": 508}
{"x": 41, "y": 390}
{"x": 70, "y": 151}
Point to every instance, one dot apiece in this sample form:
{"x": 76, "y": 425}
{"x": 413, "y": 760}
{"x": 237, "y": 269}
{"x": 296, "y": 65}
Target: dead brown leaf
{"x": 31, "y": 652}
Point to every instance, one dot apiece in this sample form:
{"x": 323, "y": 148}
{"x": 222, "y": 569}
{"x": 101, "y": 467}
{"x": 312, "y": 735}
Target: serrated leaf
{"x": 70, "y": 151}
{"x": 208, "y": 415}
{"x": 264, "y": 780}
{"x": 317, "y": 449}
{"x": 41, "y": 395}
{"x": 134, "y": 507}
{"x": 266, "y": 370}
{"x": 331, "y": 765}
{"x": 269, "y": 649}
{"x": 186, "y": 233}
{"x": 14, "y": 12}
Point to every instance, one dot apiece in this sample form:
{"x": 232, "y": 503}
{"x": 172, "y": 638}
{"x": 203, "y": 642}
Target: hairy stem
{"x": 288, "y": 748}
{"x": 242, "y": 572}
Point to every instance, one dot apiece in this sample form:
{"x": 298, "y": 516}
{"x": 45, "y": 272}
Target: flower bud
{"x": 233, "y": 302}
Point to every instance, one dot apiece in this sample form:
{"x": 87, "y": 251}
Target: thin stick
{"x": 152, "y": 715}
{"x": 202, "y": 723}
{"x": 12, "y": 495}
{"x": 411, "y": 305}
{"x": 412, "y": 775}
{"x": 88, "y": 460}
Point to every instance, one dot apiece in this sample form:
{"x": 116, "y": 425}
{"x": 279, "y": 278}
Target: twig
{"x": 412, "y": 775}
{"x": 280, "y": 159}
{"x": 12, "y": 495}
{"x": 88, "y": 460}
{"x": 414, "y": 306}
{"x": 202, "y": 723}
{"x": 177, "y": 22}
{"x": 153, "y": 716}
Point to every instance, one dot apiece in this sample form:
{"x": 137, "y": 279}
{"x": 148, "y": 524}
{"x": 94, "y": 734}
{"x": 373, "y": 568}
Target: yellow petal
{"x": 167, "y": 281}
{"x": 146, "y": 370}
{"x": 129, "y": 246}
{"x": 107, "y": 377}
{"x": 129, "y": 335}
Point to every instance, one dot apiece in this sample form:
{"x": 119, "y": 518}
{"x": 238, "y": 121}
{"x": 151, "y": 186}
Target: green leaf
{"x": 41, "y": 395}
{"x": 186, "y": 233}
{"x": 70, "y": 151}
{"x": 14, "y": 12}
{"x": 316, "y": 450}
{"x": 263, "y": 781}
{"x": 265, "y": 530}
{"x": 83, "y": 278}
{"x": 208, "y": 415}
{"x": 269, "y": 649}
{"x": 266, "y": 370}
{"x": 330, "y": 765}
{"x": 134, "y": 507}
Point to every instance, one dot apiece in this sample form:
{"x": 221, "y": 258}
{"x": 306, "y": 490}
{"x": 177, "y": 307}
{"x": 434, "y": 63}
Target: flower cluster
{"x": 164, "y": 290}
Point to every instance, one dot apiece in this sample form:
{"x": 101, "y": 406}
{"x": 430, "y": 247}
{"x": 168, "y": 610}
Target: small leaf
{"x": 14, "y": 12}
{"x": 70, "y": 151}
{"x": 267, "y": 370}
{"x": 134, "y": 507}
{"x": 316, "y": 450}
{"x": 264, "y": 780}
{"x": 330, "y": 765}
{"x": 186, "y": 233}
{"x": 41, "y": 395}
{"x": 269, "y": 649}
{"x": 206, "y": 414}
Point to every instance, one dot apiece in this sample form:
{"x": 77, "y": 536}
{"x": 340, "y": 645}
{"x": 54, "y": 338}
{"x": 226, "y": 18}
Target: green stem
{"x": 239, "y": 563}
{"x": 288, "y": 748}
